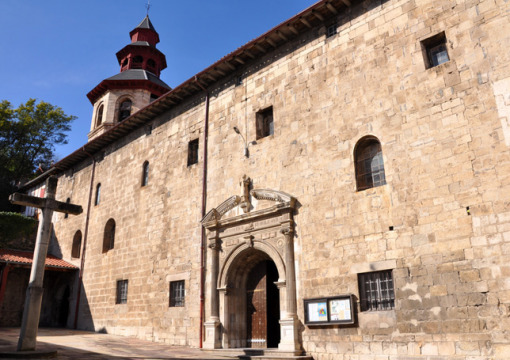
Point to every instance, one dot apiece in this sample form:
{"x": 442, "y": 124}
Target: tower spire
{"x": 148, "y": 6}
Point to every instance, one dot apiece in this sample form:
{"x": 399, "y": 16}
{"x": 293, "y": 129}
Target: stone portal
{"x": 252, "y": 284}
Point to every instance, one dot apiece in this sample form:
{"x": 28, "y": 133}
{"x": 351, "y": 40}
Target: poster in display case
{"x": 330, "y": 310}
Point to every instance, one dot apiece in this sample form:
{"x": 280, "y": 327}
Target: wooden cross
{"x": 33, "y": 299}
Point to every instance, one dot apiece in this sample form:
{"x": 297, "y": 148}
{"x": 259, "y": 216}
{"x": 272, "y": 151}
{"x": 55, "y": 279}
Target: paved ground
{"x": 73, "y": 344}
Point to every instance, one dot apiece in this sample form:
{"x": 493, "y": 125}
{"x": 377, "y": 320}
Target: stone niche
{"x": 239, "y": 241}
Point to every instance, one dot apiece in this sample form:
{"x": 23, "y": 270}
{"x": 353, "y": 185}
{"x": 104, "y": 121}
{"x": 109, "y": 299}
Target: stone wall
{"x": 441, "y": 222}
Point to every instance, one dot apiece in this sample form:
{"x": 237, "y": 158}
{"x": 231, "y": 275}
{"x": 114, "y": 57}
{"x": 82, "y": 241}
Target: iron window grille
{"x": 376, "y": 291}
{"x": 177, "y": 293}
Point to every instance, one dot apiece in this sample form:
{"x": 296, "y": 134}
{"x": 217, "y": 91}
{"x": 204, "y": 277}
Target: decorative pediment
{"x": 220, "y": 210}
{"x": 272, "y": 195}
{"x": 283, "y": 199}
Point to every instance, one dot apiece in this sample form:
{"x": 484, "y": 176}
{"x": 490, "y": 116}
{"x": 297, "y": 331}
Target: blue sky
{"x": 59, "y": 50}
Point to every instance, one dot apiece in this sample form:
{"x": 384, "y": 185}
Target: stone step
{"x": 260, "y": 354}
{"x": 274, "y": 357}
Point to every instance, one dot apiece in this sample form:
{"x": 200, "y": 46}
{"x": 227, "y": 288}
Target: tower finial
{"x": 148, "y": 6}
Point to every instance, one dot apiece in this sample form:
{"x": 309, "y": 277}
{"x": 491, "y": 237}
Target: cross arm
{"x": 33, "y": 201}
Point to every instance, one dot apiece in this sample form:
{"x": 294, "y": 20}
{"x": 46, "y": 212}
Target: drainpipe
{"x": 204, "y": 196}
{"x": 85, "y": 235}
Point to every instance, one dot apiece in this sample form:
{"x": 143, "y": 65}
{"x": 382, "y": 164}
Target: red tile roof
{"x": 26, "y": 257}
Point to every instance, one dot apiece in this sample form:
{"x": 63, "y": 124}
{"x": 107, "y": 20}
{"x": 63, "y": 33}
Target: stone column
{"x": 289, "y": 326}
{"x": 212, "y": 326}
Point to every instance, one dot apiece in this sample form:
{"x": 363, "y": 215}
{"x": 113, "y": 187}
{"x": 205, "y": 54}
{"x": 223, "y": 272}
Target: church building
{"x": 338, "y": 187}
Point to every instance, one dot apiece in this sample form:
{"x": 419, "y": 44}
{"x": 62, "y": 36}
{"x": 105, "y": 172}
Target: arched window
{"x": 109, "y": 235}
{"x": 125, "y": 109}
{"x": 369, "y": 163}
{"x": 97, "y": 199}
{"x": 67, "y": 202}
{"x": 145, "y": 173}
{"x": 137, "y": 62}
{"x": 99, "y": 116}
{"x": 75, "y": 252}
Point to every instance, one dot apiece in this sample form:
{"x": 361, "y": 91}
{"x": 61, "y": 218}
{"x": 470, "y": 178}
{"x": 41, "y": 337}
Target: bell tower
{"x": 135, "y": 86}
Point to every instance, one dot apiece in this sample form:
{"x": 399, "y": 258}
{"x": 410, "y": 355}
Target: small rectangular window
{"x": 434, "y": 50}
{"x": 331, "y": 30}
{"x": 264, "y": 123}
{"x": 177, "y": 293}
{"x": 122, "y": 291}
{"x": 193, "y": 152}
{"x": 376, "y": 291}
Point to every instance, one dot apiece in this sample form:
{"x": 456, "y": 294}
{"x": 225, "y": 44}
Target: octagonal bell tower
{"x": 137, "y": 84}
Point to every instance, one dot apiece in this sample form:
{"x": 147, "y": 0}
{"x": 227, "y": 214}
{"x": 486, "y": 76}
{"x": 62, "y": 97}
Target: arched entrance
{"x": 254, "y": 301}
{"x": 251, "y": 277}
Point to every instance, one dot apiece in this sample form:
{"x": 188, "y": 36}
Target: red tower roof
{"x": 140, "y": 64}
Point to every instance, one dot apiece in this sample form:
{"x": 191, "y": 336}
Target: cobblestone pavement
{"x": 75, "y": 344}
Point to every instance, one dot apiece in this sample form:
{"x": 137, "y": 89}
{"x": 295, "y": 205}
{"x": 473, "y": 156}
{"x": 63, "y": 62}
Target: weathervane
{"x": 148, "y": 6}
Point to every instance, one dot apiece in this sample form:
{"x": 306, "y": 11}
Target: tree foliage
{"x": 28, "y": 135}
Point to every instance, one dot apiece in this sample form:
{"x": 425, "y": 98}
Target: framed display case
{"x": 330, "y": 310}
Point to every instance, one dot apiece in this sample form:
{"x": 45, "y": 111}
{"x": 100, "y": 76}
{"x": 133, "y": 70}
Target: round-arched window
{"x": 125, "y": 109}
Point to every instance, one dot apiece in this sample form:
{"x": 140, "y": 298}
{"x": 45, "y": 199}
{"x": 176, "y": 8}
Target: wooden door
{"x": 256, "y": 301}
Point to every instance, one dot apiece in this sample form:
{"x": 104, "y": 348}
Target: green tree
{"x": 28, "y": 136}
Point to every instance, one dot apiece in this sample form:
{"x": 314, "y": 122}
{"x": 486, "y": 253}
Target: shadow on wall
{"x": 84, "y": 320}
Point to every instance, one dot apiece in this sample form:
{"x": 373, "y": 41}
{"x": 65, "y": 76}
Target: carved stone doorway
{"x": 249, "y": 252}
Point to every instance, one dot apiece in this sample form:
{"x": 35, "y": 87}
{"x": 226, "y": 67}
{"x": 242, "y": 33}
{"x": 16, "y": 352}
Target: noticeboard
{"x": 330, "y": 310}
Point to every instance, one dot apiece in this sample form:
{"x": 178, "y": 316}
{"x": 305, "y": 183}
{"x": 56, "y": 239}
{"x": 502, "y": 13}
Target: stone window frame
{"x": 376, "y": 290}
{"x": 435, "y": 51}
{"x": 264, "y": 123}
{"x": 177, "y": 293}
{"x": 109, "y": 235}
{"x": 122, "y": 291}
{"x": 369, "y": 174}
{"x": 145, "y": 173}
{"x": 76, "y": 247}
{"x": 193, "y": 146}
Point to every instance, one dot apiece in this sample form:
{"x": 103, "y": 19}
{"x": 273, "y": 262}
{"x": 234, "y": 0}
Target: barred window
{"x": 376, "y": 291}
{"x": 122, "y": 291}
{"x": 177, "y": 293}
{"x": 369, "y": 164}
